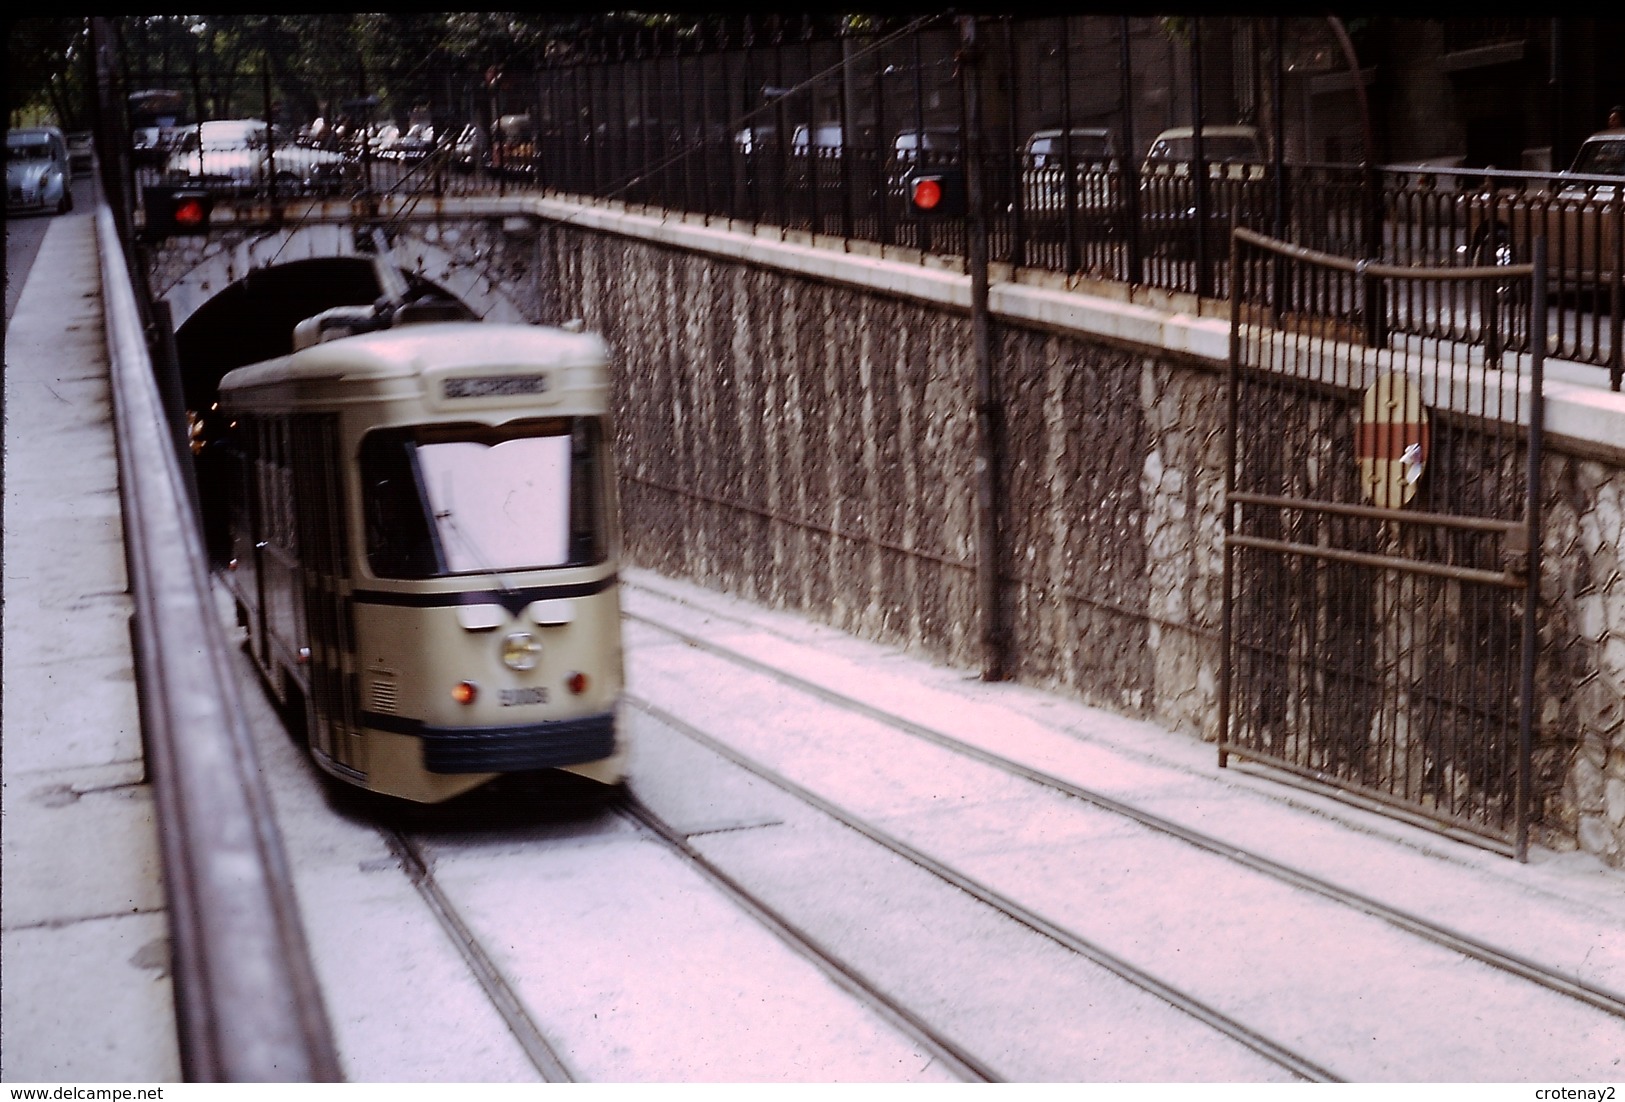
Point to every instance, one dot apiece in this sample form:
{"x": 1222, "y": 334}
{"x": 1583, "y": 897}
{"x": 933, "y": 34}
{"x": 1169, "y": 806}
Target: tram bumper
{"x": 511, "y": 748}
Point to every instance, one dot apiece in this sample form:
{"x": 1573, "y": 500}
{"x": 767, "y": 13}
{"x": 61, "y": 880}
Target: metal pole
{"x": 847, "y": 144}
{"x": 1279, "y": 300}
{"x": 1557, "y": 136}
{"x": 1227, "y": 614}
{"x": 987, "y": 408}
{"x": 1201, "y": 198}
{"x": 1532, "y": 518}
{"x": 1018, "y": 162}
{"x": 270, "y": 119}
{"x": 922, "y": 225}
{"x": 1069, "y": 181}
{"x": 1128, "y": 170}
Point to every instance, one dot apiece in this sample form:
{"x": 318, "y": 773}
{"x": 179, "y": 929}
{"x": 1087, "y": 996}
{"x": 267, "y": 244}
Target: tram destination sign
{"x": 493, "y": 386}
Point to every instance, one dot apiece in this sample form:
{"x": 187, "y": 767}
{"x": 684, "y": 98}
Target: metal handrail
{"x": 248, "y": 1008}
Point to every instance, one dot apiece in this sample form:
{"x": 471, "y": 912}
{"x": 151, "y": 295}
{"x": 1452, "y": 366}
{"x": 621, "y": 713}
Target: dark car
{"x": 1096, "y": 181}
{"x": 931, "y": 147}
{"x": 81, "y": 152}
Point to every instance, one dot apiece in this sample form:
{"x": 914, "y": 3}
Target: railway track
{"x": 564, "y": 1048}
{"x": 1601, "y": 997}
{"x": 1300, "y": 1060}
{"x": 538, "y": 1049}
{"x": 543, "y": 1052}
{"x": 1298, "y": 1066}
{"x": 963, "y": 1063}
{"x": 740, "y": 900}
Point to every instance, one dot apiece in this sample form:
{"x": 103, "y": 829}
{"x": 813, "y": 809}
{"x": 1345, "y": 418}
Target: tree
{"x": 46, "y": 71}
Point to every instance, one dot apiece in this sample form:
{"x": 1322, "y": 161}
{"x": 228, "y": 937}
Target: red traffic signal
{"x": 191, "y": 213}
{"x": 935, "y": 194}
{"x": 172, "y": 211}
{"x": 926, "y": 194}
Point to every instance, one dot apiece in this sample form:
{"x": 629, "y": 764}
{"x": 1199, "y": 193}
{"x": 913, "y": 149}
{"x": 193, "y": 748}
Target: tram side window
{"x": 400, "y": 543}
{"x": 588, "y": 531}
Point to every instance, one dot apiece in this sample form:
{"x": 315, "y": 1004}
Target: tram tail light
{"x": 576, "y": 683}
{"x": 464, "y": 692}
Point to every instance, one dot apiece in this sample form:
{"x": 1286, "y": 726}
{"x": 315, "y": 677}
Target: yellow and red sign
{"x": 1392, "y": 441}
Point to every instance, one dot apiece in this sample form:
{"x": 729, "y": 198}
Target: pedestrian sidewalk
{"x": 85, "y": 994}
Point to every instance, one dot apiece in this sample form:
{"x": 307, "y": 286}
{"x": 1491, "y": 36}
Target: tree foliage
{"x": 46, "y": 75}
{"x": 306, "y": 64}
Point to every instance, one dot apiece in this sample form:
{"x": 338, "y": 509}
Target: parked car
{"x": 1579, "y": 213}
{"x": 755, "y": 139}
{"x": 513, "y": 145}
{"x": 1236, "y": 169}
{"x": 824, "y": 139}
{"x": 468, "y": 149}
{"x": 81, "y": 152}
{"x": 933, "y": 146}
{"x": 244, "y": 157}
{"x": 413, "y": 144}
{"x": 1096, "y": 181}
{"x": 37, "y": 172}
{"x": 150, "y": 146}
{"x": 815, "y": 155}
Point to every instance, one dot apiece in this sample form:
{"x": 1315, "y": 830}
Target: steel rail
{"x": 541, "y": 1053}
{"x": 248, "y": 1007}
{"x": 964, "y": 1065}
{"x": 1602, "y": 998}
{"x": 1118, "y": 966}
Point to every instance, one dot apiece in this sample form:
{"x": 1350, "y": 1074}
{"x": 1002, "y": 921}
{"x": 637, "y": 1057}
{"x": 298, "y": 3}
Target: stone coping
{"x": 1580, "y": 416}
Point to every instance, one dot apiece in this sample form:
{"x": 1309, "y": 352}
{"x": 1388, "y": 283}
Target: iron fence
{"x": 816, "y": 127}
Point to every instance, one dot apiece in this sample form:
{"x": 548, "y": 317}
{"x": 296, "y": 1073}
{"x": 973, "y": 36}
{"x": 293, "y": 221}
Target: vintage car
{"x": 1091, "y": 154}
{"x": 81, "y": 152}
{"x": 246, "y": 157}
{"x": 410, "y": 145}
{"x": 513, "y": 146}
{"x": 1236, "y": 167}
{"x": 1579, "y": 212}
{"x": 37, "y": 172}
{"x": 150, "y": 145}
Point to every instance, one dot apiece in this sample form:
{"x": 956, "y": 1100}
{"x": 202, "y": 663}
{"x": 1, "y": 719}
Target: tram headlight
{"x": 521, "y": 650}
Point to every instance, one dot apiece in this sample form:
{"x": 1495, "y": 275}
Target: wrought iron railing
{"x": 816, "y": 132}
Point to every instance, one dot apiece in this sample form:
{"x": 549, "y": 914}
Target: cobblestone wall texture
{"x": 812, "y": 447}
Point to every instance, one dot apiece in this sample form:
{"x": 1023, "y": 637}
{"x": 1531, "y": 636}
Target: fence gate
{"x": 1382, "y": 532}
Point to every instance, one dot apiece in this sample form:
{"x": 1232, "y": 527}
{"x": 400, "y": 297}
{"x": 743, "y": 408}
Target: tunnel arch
{"x": 250, "y": 320}
{"x": 470, "y": 261}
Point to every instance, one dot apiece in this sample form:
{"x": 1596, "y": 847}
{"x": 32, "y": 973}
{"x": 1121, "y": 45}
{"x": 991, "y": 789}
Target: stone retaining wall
{"x": 807, "y": 441}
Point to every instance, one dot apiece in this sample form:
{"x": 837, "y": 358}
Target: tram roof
{"x": 408, "y": 350}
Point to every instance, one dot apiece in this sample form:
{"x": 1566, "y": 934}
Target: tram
{"x": 424, "y": 550}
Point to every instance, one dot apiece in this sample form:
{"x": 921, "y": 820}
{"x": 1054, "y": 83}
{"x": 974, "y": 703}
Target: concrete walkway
{"x": 85, "y": 994}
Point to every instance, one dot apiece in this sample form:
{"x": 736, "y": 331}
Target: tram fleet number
{"x": 510, "y": 697}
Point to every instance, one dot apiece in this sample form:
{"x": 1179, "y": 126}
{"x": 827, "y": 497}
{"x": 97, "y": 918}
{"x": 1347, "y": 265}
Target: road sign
{"x": 1392, "y": 442}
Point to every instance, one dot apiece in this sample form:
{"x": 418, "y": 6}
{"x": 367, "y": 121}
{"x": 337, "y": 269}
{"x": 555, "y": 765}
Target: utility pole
{"x": 988, "y": 414}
